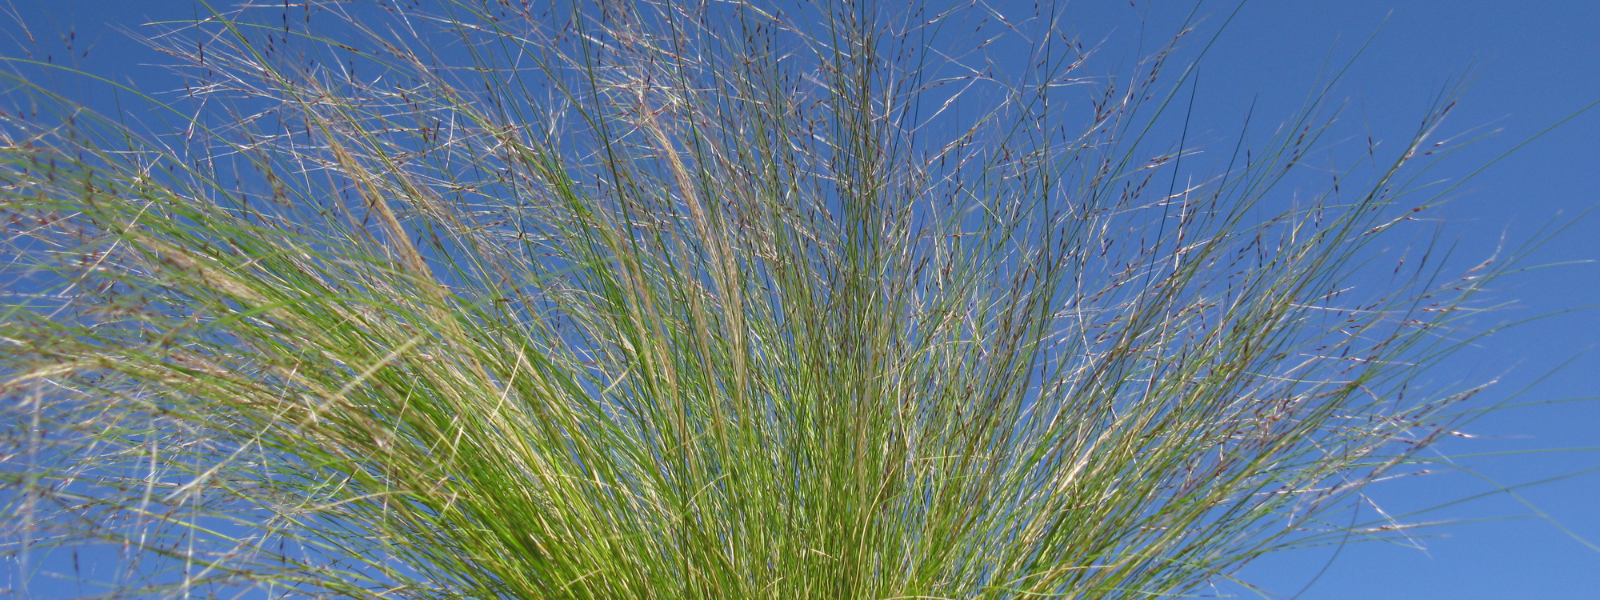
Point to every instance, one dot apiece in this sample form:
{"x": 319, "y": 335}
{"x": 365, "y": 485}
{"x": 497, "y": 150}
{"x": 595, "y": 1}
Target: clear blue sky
{"x": 1535, "y": 63}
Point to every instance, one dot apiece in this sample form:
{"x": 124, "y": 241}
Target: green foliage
{"x": 677, "y": 300}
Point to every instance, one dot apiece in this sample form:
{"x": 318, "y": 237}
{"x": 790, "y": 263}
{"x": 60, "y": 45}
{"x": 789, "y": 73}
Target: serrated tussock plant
{"x": 688, "y": 300}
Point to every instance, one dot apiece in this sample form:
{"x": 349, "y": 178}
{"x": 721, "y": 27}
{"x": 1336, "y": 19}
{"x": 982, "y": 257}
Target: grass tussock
{"x": 684, "y": 300}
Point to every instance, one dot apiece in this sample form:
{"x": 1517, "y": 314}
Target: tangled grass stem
{"x": 685, "y": 300}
